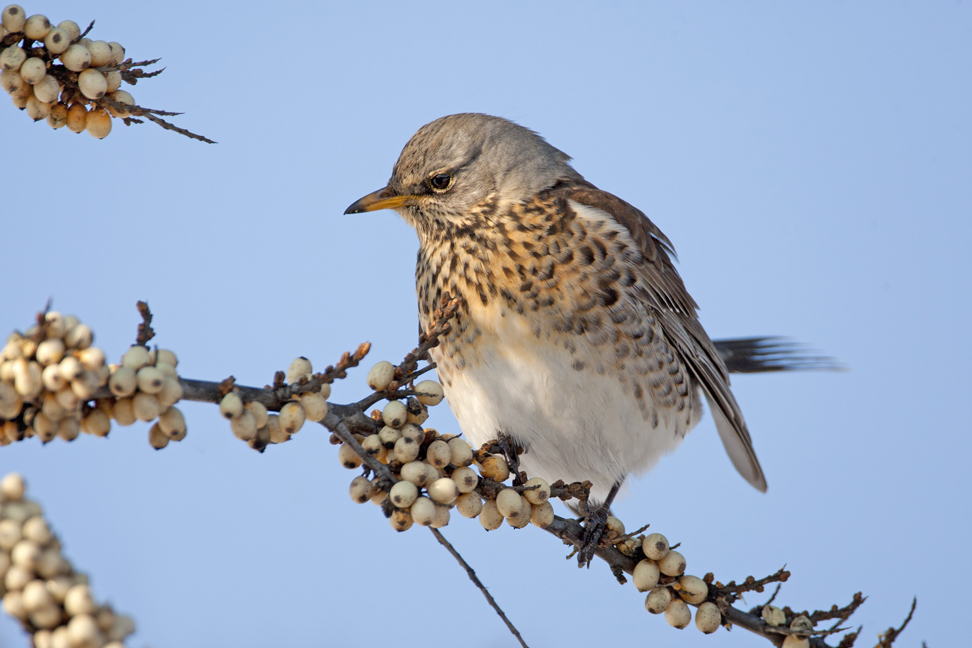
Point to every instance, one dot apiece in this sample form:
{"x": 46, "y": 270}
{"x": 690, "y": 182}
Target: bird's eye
{"x": 440, "y": 181}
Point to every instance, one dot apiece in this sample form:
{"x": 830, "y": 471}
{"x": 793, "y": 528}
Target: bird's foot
{"x": 509, "y": 449}
{"x": 595, "y": 522}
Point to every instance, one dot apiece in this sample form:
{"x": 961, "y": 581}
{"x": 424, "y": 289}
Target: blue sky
{"x": 811, "y": 163}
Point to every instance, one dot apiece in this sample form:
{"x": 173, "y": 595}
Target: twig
{"x": 440, "y": 325}
{"x": 182, "y": 131}
{"x": 145, "y": 332}
{"x": 340, "y": 430}
{"x": 888, "y": 637}
{"x": 752, "y": 584}
{"x": 85, "y": 32}
{"x": 841, "y": 614}
{"x": 482, "y": 588}
{"x": 773, "y": 598}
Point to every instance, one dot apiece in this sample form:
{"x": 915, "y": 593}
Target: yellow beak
{"x": 381, "y": 199}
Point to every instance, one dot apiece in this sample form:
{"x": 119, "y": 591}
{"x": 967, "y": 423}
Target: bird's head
{"x": 456, "y": 165}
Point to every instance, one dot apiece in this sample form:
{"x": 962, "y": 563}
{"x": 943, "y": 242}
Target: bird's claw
{"x": 508, "y": 448}
{"x": 594, "y": 524}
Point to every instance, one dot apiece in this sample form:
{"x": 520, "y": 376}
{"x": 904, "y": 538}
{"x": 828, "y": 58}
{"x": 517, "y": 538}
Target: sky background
{"x": 811, "y": 162}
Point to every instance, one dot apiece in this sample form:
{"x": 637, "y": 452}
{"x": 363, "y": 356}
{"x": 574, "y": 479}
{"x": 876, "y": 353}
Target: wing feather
{"x": 675, "y": 309}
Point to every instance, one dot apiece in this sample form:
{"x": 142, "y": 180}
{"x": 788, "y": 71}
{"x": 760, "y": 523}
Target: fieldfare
{"x": 575, "y": 337}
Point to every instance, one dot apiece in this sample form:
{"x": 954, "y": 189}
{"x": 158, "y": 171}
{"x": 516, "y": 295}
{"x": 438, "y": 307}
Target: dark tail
{"x": 765, "y": 354}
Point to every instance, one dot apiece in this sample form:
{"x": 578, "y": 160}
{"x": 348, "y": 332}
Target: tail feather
{"x": 767, "y": 354}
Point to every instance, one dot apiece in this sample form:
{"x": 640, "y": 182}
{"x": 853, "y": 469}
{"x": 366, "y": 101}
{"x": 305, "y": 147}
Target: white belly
{"x": 576, "y": 424}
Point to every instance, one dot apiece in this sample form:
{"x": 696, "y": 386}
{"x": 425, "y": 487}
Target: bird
{"x": 575, "y": 337}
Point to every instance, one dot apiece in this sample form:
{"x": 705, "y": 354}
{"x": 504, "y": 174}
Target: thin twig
{"x": 85, "y": 32}
{"x": 145, "y": 332}
{"x": 888, "y": 637}
{"x": 340, "y": 430}
{"x": 182, "y": 131}
{"x": 839, "y": 613}
{"x": 482, "y": 588}
{"x": 752, "y": 584}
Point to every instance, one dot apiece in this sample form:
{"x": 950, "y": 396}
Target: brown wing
{"x": 665, "y": 294}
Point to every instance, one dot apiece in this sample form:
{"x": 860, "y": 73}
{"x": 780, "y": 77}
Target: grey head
{"x": 457, "y": 162}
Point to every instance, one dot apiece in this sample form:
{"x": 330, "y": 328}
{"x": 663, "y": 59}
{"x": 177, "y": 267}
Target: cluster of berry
{"x": 54, "y": 383}
{"x": 55, "y": 74}
{"x": 41, "y": 589}
{"x": 252, "y": 423}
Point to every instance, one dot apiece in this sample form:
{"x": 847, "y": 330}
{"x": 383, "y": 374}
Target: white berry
{"x": 438, "y": 453}
{"x": 542, "y": 515}
{"x": 469, "y": 505}
{"x": 11, "y": 58}
{"x": 466, "y": 479}
{"x": 78, "y": 600}
{"x": 429, "y": 392}
{"x": 536, "y": 491}
{"x": 315, "y": 405}
{"x": 693, "y": 589}
{"x": 231, "y": 405}
{"x": 150, "y": 380}
{"x": 117, "y": 53}
{"x": 92, "y": 84}
{"x": 658, "y": 599}
{"x": 394, "y": 414}
{"x": 12, "y": 487}
{"x": 773, "y": 615}
{"x": 708, "y": 618}
{"x": 422, "y": 510}
{"x": 33, "y": 70}
{"x": 71, "y": 28}
{"x": 419, "y": 473}
{"x": 678, "y": 614}
{"x": 490, "y": 517}
{"x": 100, "y": 53}
{"x": 443, "y": 491}
{"x": 136, "y": 357}
{"x": 462, "y": 454}
{"x": 403, "y": 494}
{"x": 655, "y": 546}
{"x": 381, "y": 375}
{"x": 299, "y": 368}
{"x": 360, "y": 489}
{"x": 646, "y": 575}
{"x": 673, "y": 564}
{"x": 13, "y": 18}
{"x": 172, "y": 422}
{"x": 348, "y": 457}
{"x": 50, "y": 351}
{"x": 37, "y": 27}
{"x": 76, "y": 57}
{"x": 793, "y": 641}
{"x": 292, "y": 417}
{"x": 406, "y": 450}
{"x": 57, "y": 40}
{"x": 157, "y": 438}
{"x": 244, "y": 426}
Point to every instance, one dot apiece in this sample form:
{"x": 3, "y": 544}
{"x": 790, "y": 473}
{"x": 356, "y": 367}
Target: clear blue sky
{"x": 811, "y": 162}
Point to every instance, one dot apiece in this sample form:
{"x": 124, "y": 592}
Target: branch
{"x": 415, "y": 475}
{"x": 891, "y": 634}
{"x": 479, "y": 584}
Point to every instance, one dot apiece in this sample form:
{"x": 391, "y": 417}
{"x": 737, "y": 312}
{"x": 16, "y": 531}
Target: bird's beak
{"x": 381, "y": 199}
